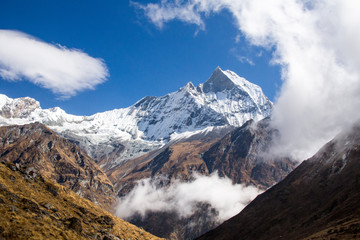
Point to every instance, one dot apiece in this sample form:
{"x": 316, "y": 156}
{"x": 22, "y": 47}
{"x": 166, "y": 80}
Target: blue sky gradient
{"x": 142, "y": 60}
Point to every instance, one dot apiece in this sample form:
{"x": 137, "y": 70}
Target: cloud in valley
{"x": 64, "y": 71}
{"x": 182, "y": 197}
{"x": 316, "y": 43}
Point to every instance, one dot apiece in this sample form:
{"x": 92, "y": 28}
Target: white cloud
{"x": 228, "y": 199}
{"x": 64, "y": 71}
{"x": 166, "y": 11}
{"x": 317, "y": 45}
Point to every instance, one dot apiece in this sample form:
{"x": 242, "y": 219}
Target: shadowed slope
{"x": 318, "y": 200}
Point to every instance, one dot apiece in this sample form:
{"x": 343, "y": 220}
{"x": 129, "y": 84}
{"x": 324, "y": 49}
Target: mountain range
{"x": 220, "y": 126}
{"x": 173, "y": 137}
{"x": 112, "y": 137}
{"x": 62, "y": 164}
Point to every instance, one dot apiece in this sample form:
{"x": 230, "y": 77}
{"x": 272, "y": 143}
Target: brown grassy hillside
{"x": 33, "y": 207}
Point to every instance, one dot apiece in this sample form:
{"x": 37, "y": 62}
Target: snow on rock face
{"x": 17, "y": 108}
{"x": 225, "y": 99}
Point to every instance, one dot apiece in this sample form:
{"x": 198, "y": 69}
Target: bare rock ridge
{"x": 318, "y": 200}
{"x": 115, "y": 136}
{"x": 36, "y": 146}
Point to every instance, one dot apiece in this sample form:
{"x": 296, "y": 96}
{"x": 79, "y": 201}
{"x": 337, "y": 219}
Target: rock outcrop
{"x": 43, "y": 152}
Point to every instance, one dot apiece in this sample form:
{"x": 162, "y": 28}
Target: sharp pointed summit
{"x": 218, "y": 82}
{"x": 229, "y": 82}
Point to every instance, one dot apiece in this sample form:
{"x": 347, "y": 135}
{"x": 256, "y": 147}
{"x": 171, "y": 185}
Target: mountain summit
{"x": 111, "y": 137}
{"x": 224, "y": 99}
{"x": 218, "y": 82}
{"x": 221, "y": 81}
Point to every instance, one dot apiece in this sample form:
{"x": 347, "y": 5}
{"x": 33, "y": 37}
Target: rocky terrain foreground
{"x": 34, "y": 207}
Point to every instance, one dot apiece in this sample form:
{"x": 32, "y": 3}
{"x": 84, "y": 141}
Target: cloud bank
{"x": 64, "y": 71}
{"x": 182, "y": 197}
{"x": 315, "y": 42}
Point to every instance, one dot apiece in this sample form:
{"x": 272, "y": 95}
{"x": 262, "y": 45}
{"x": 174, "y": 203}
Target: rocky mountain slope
{"x": 113, "y": 137}
{"x": 318, "y": 200}
{"x": 243, "y": 156}
{"x": 34, "y": 207}
{"x": 240, "y": 155}
{"x": 44, "y": 152}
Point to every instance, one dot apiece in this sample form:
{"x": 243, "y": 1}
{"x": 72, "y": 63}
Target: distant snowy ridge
{"x": 225, "y": 99}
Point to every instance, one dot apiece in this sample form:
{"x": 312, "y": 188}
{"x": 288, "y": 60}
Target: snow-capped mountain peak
{"x": 190, "y": 86}
{"x": 224, "y": 99}
{"x": 228, "y": 80}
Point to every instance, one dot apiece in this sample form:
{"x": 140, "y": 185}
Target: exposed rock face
{"x": 239, "y": 155}
{"x": 242, "y": 155}
{"x": 35, "y": 145}
{"x": 318, "y": 200}
{"x": 29, "y": 209}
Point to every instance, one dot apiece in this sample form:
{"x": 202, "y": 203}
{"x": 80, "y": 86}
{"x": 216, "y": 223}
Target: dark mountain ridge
{"x": 318, "y": 200}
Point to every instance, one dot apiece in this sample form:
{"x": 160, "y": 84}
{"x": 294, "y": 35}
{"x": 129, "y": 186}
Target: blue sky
{"x": 141, "y": 58}
{"x": 151, "y": 48}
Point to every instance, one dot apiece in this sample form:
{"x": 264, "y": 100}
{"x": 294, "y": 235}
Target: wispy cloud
{"x": 182, "y": 197}
{"x": 64, "y": 71}
{"x": 167, "y": 11}
{"x": 316, "y": 43}
{"x": 244, "y": 59}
